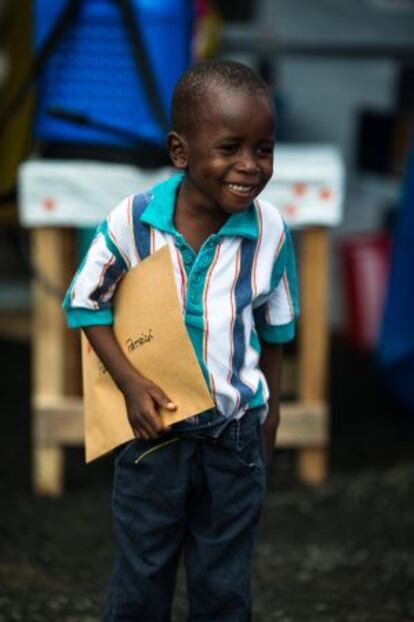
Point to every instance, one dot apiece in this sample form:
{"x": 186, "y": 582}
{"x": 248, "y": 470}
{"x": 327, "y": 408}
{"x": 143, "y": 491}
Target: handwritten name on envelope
{"x": 150, "y": 329}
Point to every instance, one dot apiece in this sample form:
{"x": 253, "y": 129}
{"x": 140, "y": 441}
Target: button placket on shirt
{"x": 194, "y": 282}
{"x": 198, "y": 271}
{"x": 196, "y": 267}
{"x": 187, "y": 257}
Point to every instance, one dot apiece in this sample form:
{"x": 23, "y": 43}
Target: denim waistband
{"x": 217, "y": 425}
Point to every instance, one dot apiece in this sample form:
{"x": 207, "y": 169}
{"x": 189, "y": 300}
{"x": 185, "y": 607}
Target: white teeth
{"x": 238, "y": 188}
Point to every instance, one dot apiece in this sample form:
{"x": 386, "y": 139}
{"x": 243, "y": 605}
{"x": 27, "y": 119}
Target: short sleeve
{"x": 88, "y": 300}
{"x": 276, "y": 317}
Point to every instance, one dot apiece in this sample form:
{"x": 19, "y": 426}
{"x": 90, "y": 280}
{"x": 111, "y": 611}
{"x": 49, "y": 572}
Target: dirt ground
{"x": 342, "y": 553}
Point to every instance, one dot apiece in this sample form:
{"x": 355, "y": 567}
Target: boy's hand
{"x": 142, "y": 399}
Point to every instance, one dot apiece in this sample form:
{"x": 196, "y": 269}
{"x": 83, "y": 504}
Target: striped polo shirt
{"x": 239, "y": 289}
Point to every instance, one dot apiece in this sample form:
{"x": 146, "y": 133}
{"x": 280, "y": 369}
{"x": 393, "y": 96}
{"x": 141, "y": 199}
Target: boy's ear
{"x": 177, "y": 148}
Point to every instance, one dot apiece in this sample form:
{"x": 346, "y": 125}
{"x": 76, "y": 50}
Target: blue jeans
{"x": 196, "y": 491}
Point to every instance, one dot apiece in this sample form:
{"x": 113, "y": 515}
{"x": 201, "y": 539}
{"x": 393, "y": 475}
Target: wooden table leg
{"x": 313, "y": 334}
{"x": 49, "y": 248}
{"x": 48, "y": 469}
{"x": 311, "y": 465}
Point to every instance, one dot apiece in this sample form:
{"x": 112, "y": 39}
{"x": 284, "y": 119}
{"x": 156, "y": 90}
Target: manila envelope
{"x": 150, "y": 329}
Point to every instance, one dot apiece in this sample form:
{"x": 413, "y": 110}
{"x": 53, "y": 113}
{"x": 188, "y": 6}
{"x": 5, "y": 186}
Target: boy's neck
{"x": 193, "y": 222}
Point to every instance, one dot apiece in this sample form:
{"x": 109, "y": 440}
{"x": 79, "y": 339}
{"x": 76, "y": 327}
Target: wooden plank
{"x": 60, "y": 421}
{"x": 48, "y": 246}
{"x": 313, "y": 338}
{"x": 313, "y": 331}
{"x": 48, "y": 322}
{"x": 312, "y": 465}
{"x": 47, "y": 470}
{"x": 302, "y": 425}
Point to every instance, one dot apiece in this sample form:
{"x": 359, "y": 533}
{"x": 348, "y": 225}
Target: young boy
{"x": 198, "y": 487}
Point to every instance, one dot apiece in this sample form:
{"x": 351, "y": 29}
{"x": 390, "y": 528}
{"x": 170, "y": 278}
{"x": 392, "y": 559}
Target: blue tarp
{"x": 396, "y": 345}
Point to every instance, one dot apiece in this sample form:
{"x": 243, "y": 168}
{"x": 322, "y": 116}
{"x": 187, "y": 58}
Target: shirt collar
{"x": 159, "y": 213}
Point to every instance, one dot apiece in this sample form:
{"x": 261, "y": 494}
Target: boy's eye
{"x": 265, "y": 150}
{"x": 228, "y": 148}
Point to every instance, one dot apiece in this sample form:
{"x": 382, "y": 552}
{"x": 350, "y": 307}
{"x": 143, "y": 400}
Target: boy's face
{"x": 228, "y": 158}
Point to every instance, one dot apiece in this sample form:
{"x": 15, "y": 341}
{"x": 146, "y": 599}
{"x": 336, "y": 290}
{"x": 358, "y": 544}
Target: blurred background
{"x": 85, "y": 92}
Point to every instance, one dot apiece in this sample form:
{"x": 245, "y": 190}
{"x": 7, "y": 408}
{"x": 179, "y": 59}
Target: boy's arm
{"x": 142, "y": 397}
{"x": 271, "y": 366}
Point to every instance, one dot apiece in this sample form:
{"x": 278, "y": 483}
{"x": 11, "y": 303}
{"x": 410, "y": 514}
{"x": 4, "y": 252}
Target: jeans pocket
{"x": 249, "y": 445}
{"x": 123, "y": 450}
{"x": 146, "y": 451}
{"x": 248, "y": 454}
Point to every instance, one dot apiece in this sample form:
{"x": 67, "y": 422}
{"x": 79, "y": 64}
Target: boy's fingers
{"x": 143, "y": 434}
{"x": 148, "y": 423}
{"x": 162, "y": 399}
{"x": 153, "y": 419}
{"x": 149, "y": 418}
{"x": 139, "y": 431}
{"x": 143, "y": 425}
{"x": 150, "y": 429}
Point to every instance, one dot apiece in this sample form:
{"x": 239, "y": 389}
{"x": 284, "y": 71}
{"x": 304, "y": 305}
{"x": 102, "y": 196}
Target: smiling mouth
{"x": 243, "y": 190}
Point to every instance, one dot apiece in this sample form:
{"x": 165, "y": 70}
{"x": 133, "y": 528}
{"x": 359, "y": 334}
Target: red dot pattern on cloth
{"x": 290, "y": 209}
{"x": 48, "y": 204}
{"x": 325, "y": 193}
{"x": 299, "y": 189}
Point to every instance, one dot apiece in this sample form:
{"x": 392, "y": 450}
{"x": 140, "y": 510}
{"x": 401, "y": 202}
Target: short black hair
{"x": 191, "y": 90}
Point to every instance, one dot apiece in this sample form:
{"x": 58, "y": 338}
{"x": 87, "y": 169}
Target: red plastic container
{"x": 365, "y": 263}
